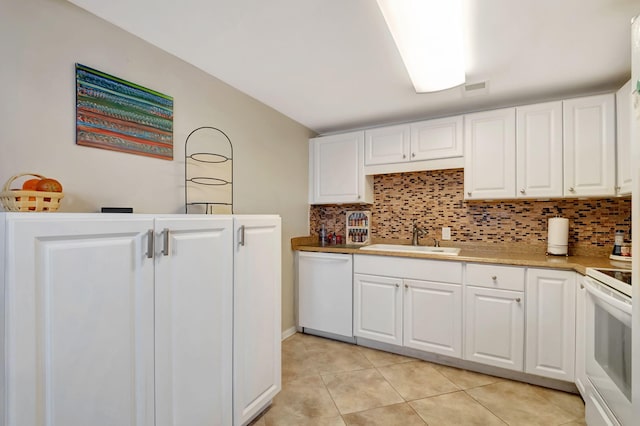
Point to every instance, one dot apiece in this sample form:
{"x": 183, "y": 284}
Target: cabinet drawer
{"x": 494, "y": 276}
{"x": 403, "y": 267}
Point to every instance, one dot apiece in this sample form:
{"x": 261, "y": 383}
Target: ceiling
{"x": 331, "y": 65}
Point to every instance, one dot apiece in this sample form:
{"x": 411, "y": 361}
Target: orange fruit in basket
{"x": 30, "y": 184}
{"x": 49, "y": 185}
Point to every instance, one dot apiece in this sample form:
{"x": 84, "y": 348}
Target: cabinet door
{"x": 539, "y": 150}
{"x": 377, "y": 311}
{"x": 337, "y": 170}
{"x": 581, "y": 349}
{"x": 589, "y": 146}
{"x": 494, "y": 327}
{"x": 490, "y": 154}
{"x": 256, "y": 315}
{"x": 439, "y": 138}
{"x": 551, "y": 322}
{"x": 433, "y": 317}
{"x": 387, "y": 145}
{"x": 624, "y": 108}
{"x": 325, "y": 292}
{"x": 194, "y": 301}
{"x": 79, "y": 320}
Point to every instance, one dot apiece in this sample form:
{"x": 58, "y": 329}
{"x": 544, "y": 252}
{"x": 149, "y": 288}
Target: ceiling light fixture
{"x": 429, "y": 36}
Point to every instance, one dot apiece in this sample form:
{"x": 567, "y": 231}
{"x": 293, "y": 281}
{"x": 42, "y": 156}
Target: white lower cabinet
{"x": 551, "y": 323}
{"x": 407, "y": 311}
{"x": 494, "y": 327}
{"x": 433, "y": 317}
{"x": 128, "y": 319}
{"x": 582, "y": 382}
{"x": 377, "y": 313}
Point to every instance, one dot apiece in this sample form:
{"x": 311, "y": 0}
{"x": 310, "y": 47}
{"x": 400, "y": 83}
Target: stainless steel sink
{"x": 452, "y": 251}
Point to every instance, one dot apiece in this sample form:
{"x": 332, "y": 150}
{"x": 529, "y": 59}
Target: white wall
{"x": 41, "y": 40}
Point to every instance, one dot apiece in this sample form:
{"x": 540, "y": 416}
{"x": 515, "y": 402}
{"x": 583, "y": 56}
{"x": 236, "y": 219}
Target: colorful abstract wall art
{"x": 117, "y": 115}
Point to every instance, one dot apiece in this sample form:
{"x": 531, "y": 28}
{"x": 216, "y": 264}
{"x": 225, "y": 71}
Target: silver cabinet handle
{"x": 522, "y": 191}
{"x": 413, "y": 154}
{"x": 150, "y": 247}
{"x": 571, "y": 189}
{"x": 469, "y": 193}
{"x": 397, "y": 285}
{"x": 241, "y": 239}
{"x": 406, "y": 286}
{"x": 581, "y": 286}
{"x": 493, "y": 277}
{"x": 404, "y": 156}
{"x": 518, "y": 299}
{"x": 165, "y": 242}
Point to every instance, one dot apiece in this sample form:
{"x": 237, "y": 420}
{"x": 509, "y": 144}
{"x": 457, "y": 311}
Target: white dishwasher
{"x": 325, "y": 293}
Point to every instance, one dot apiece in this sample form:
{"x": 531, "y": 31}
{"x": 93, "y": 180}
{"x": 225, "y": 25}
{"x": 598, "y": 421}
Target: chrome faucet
{"x": 417, "y": 232}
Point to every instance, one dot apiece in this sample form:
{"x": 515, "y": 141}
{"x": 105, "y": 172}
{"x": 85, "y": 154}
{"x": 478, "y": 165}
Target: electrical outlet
{"x": 446, "y": 233}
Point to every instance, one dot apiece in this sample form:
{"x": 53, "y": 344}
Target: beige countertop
{"x": 479, "y": 253}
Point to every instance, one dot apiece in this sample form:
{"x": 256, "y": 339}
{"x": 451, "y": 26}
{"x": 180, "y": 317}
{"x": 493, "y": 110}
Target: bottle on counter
{"x": 322, "y": 235}
{"x": 617, "y": 243}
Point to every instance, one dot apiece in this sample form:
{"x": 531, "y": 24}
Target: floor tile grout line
{"x": 484, "y": 406}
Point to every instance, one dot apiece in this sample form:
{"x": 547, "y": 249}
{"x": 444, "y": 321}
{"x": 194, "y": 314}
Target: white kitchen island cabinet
{"x": 119, "y": 319}
{"x": 78, "y": 320}
{"x": 256, "y": 315}
{"x": 193, "y": 320}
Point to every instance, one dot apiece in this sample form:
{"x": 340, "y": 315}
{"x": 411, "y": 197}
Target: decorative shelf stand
{"x": 208, "y": 172}
{"x": 358, "y": 227}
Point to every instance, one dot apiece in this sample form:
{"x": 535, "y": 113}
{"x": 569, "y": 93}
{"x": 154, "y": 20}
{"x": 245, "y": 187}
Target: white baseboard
{"x": 288, "y": 332}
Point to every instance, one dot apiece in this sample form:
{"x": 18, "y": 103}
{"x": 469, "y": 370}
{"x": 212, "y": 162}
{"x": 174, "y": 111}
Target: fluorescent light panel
{"x": 429, "y": 36}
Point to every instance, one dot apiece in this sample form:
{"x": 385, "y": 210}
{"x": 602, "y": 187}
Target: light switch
{"x": 446, "y": 233}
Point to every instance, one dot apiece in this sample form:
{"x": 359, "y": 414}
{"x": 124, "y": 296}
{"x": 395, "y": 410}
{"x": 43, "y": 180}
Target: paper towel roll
{"x": 558, "y": 236}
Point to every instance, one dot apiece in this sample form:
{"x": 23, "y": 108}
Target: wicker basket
{"x": 18, "y": 200}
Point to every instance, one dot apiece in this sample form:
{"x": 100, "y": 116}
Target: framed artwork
{"x": 114, "y": 114}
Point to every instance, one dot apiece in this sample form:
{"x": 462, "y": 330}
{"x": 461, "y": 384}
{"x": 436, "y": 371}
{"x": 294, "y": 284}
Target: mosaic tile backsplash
{"x": 435, "y": 199}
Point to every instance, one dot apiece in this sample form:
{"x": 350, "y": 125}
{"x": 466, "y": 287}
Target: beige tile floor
{"x": 325, "y": 382}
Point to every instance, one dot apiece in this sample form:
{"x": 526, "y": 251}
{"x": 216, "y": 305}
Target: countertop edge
{"x": 576, "y": 263}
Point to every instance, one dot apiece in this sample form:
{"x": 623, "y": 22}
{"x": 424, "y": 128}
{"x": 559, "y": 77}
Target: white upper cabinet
{"x": 387, "y": 145}
{"x": 490, "y": 154}
{"x": 539, "y": 150}
{"x": 624, "y": 109}
{"x": 589, "y": 146}
{"x": 440, "y": 138}
{"x": 425, "y": 145}
{"x": 336, "y": 170}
